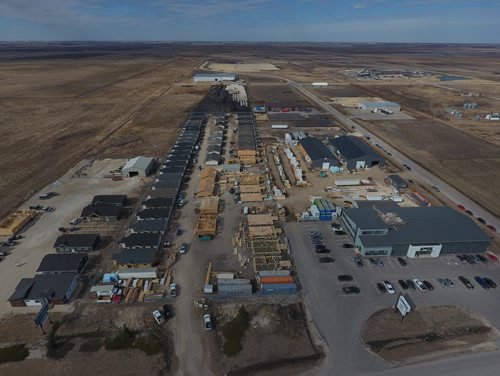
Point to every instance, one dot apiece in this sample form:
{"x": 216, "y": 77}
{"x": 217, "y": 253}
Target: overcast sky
{"x": 471, "y": 21}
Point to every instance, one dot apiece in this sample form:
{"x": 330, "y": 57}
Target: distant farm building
{"x": 214, "y": 77}
{"x": 317, "y": 154}
{"x": 370, "y": 106}
{"x": 355, "y": 153}
{"x": 138, "y": 166}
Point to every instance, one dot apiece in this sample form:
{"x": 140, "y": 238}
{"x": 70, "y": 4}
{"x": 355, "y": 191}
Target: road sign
{"x": 42, "y": 315}
{"x": 403, "y": 306}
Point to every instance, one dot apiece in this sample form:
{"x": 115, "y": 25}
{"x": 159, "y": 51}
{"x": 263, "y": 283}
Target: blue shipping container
{"x": 278, "y": 288}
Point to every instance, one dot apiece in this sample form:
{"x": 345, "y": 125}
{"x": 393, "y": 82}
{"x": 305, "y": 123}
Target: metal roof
{"x": 421, "y": 225}
{"x": 316, "y": 149}
{"x": 138, "y": 162}
{"x": 215, "y": 75}
{"x": 351, "y": 147}
{"x": 381, "y": 104}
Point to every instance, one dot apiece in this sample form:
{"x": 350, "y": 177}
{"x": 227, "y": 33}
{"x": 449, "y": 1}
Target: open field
{"x": 464, "y": 161}
{"x": 282, "y": 94}
{"x": 51, "y": 120}
{"x": 427, "y": 333}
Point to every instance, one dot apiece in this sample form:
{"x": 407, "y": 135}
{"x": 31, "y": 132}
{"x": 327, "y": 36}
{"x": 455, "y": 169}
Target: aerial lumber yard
{"x": 249, "y": 208}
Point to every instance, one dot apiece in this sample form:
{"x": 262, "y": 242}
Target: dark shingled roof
{"x": 135, "y": 256}
{"x": 76, "y": 240}
{"x": 59, "y": 262}
{"x": 154, "y": 214}
{"x": 101, "y": 210}
{"x": 110, "y": 199}
{"x": 153, "y": 225}
{"x": 146, "y": 240}
{"x": 53, "y": 286}
{"x": 159, "y": 202}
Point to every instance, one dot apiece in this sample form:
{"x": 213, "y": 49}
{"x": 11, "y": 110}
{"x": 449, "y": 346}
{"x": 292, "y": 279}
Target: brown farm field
{"x": 54, "y": 113}
{"x": 282, "y": 94}
{"x": 466, "y": 162}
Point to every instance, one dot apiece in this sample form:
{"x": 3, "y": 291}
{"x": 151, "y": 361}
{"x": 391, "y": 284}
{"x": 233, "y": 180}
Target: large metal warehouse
{"x": 317, "y": 153}
{"x": 413, "y": 232}
{"x": 138, "y": 166}
{"x": 214, "y": 77}
{"x": 381, "y": 105}
{"x": 355, "y": 153}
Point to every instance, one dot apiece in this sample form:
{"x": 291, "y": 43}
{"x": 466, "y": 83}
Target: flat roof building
{"x": 317, "y": 153}
{"x": 380, "y": 105}
{"x": 214, "y": 77}
{"x": 413, "y": 232}
{"x": 355, "y": 153}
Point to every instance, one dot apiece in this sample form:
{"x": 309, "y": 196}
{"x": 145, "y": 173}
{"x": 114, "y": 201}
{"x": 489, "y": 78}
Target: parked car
{"x": 420, "y": 285}
{"x": 442, "y": 282}
{"x": 481, "y": 258}
{"x": 403, "y": 284}
{"x": 380, "y": 262}
{"x": 46, "y": 196}
{"x": 449, "y": 282}
{"x": 461, "y": 258}
{"x": 326, "y": 260}
{"x": 358, "y": 262}
{"x": 347, "y": 245}
{"x": 337, "y": 227}
{"x": 481, "y": 282}
{"x": 429, "y": 285}
{"x": 339, "y": 232}
{"x": 402, "y": 262}
{"x": 158, "y": 317}
{"x": 466, "y": 282}
{"x": 351, "y": 290}
{"x": 75, "y": 221}
{"x": 490, "y": 282}
{"x": 173, "y": 289}
{"x": 373, "y": 261}
{"x": 389, "y": 288}
{"x": 481, "y": 220}
{"x": 36, "y": 207}
{"x": 381, "y": 287}
{"x": 345, "y": 277}
{"x": 492, "y": 256}
{"x": 207, "y": 322}
{"x": 183, "y": 248}
{"x": 411, "y": 284}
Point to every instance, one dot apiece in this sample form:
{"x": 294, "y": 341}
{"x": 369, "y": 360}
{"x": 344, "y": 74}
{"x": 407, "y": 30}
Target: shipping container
{"x": 273, "y": 273}
{"x": 286, "y": 288}
{"x": 234, "y": 290}
{"x": 347, "y": 182}
{"x": 232, "y": 281}
{"x": 279, "y": 279}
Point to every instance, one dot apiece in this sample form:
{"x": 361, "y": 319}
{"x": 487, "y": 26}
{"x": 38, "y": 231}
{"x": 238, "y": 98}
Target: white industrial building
{"x": 214, "y": 77}
{"x": 320, "y": 84}
{"x": 138, "y": 166}
{"x": 380, "y": 105}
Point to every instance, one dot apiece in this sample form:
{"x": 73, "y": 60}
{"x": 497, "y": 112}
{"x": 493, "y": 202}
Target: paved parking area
{"x": 339, "y": 318}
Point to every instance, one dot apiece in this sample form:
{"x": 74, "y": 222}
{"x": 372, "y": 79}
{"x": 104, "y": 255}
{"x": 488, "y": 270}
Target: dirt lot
{"x": 464, "y": 161}
{"x": 83, "y": 334}
{"x": 277, "y": 338}
{"x": 242, "y": 67}
{"x": 427, "y": 333}
{"x": 56, "y": 112}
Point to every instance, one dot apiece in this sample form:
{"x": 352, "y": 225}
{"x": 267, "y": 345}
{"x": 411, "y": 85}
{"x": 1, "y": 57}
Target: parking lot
{"x": 339, "y": 317}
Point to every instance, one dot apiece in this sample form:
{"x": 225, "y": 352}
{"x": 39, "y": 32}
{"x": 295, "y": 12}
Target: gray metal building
{"x": 138, "y": 166}
{"x": 214, "y": 77}
{"x": 317, "y": 153}
{"x": 355, "y": 153}
{"x": 413, "y": 232}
